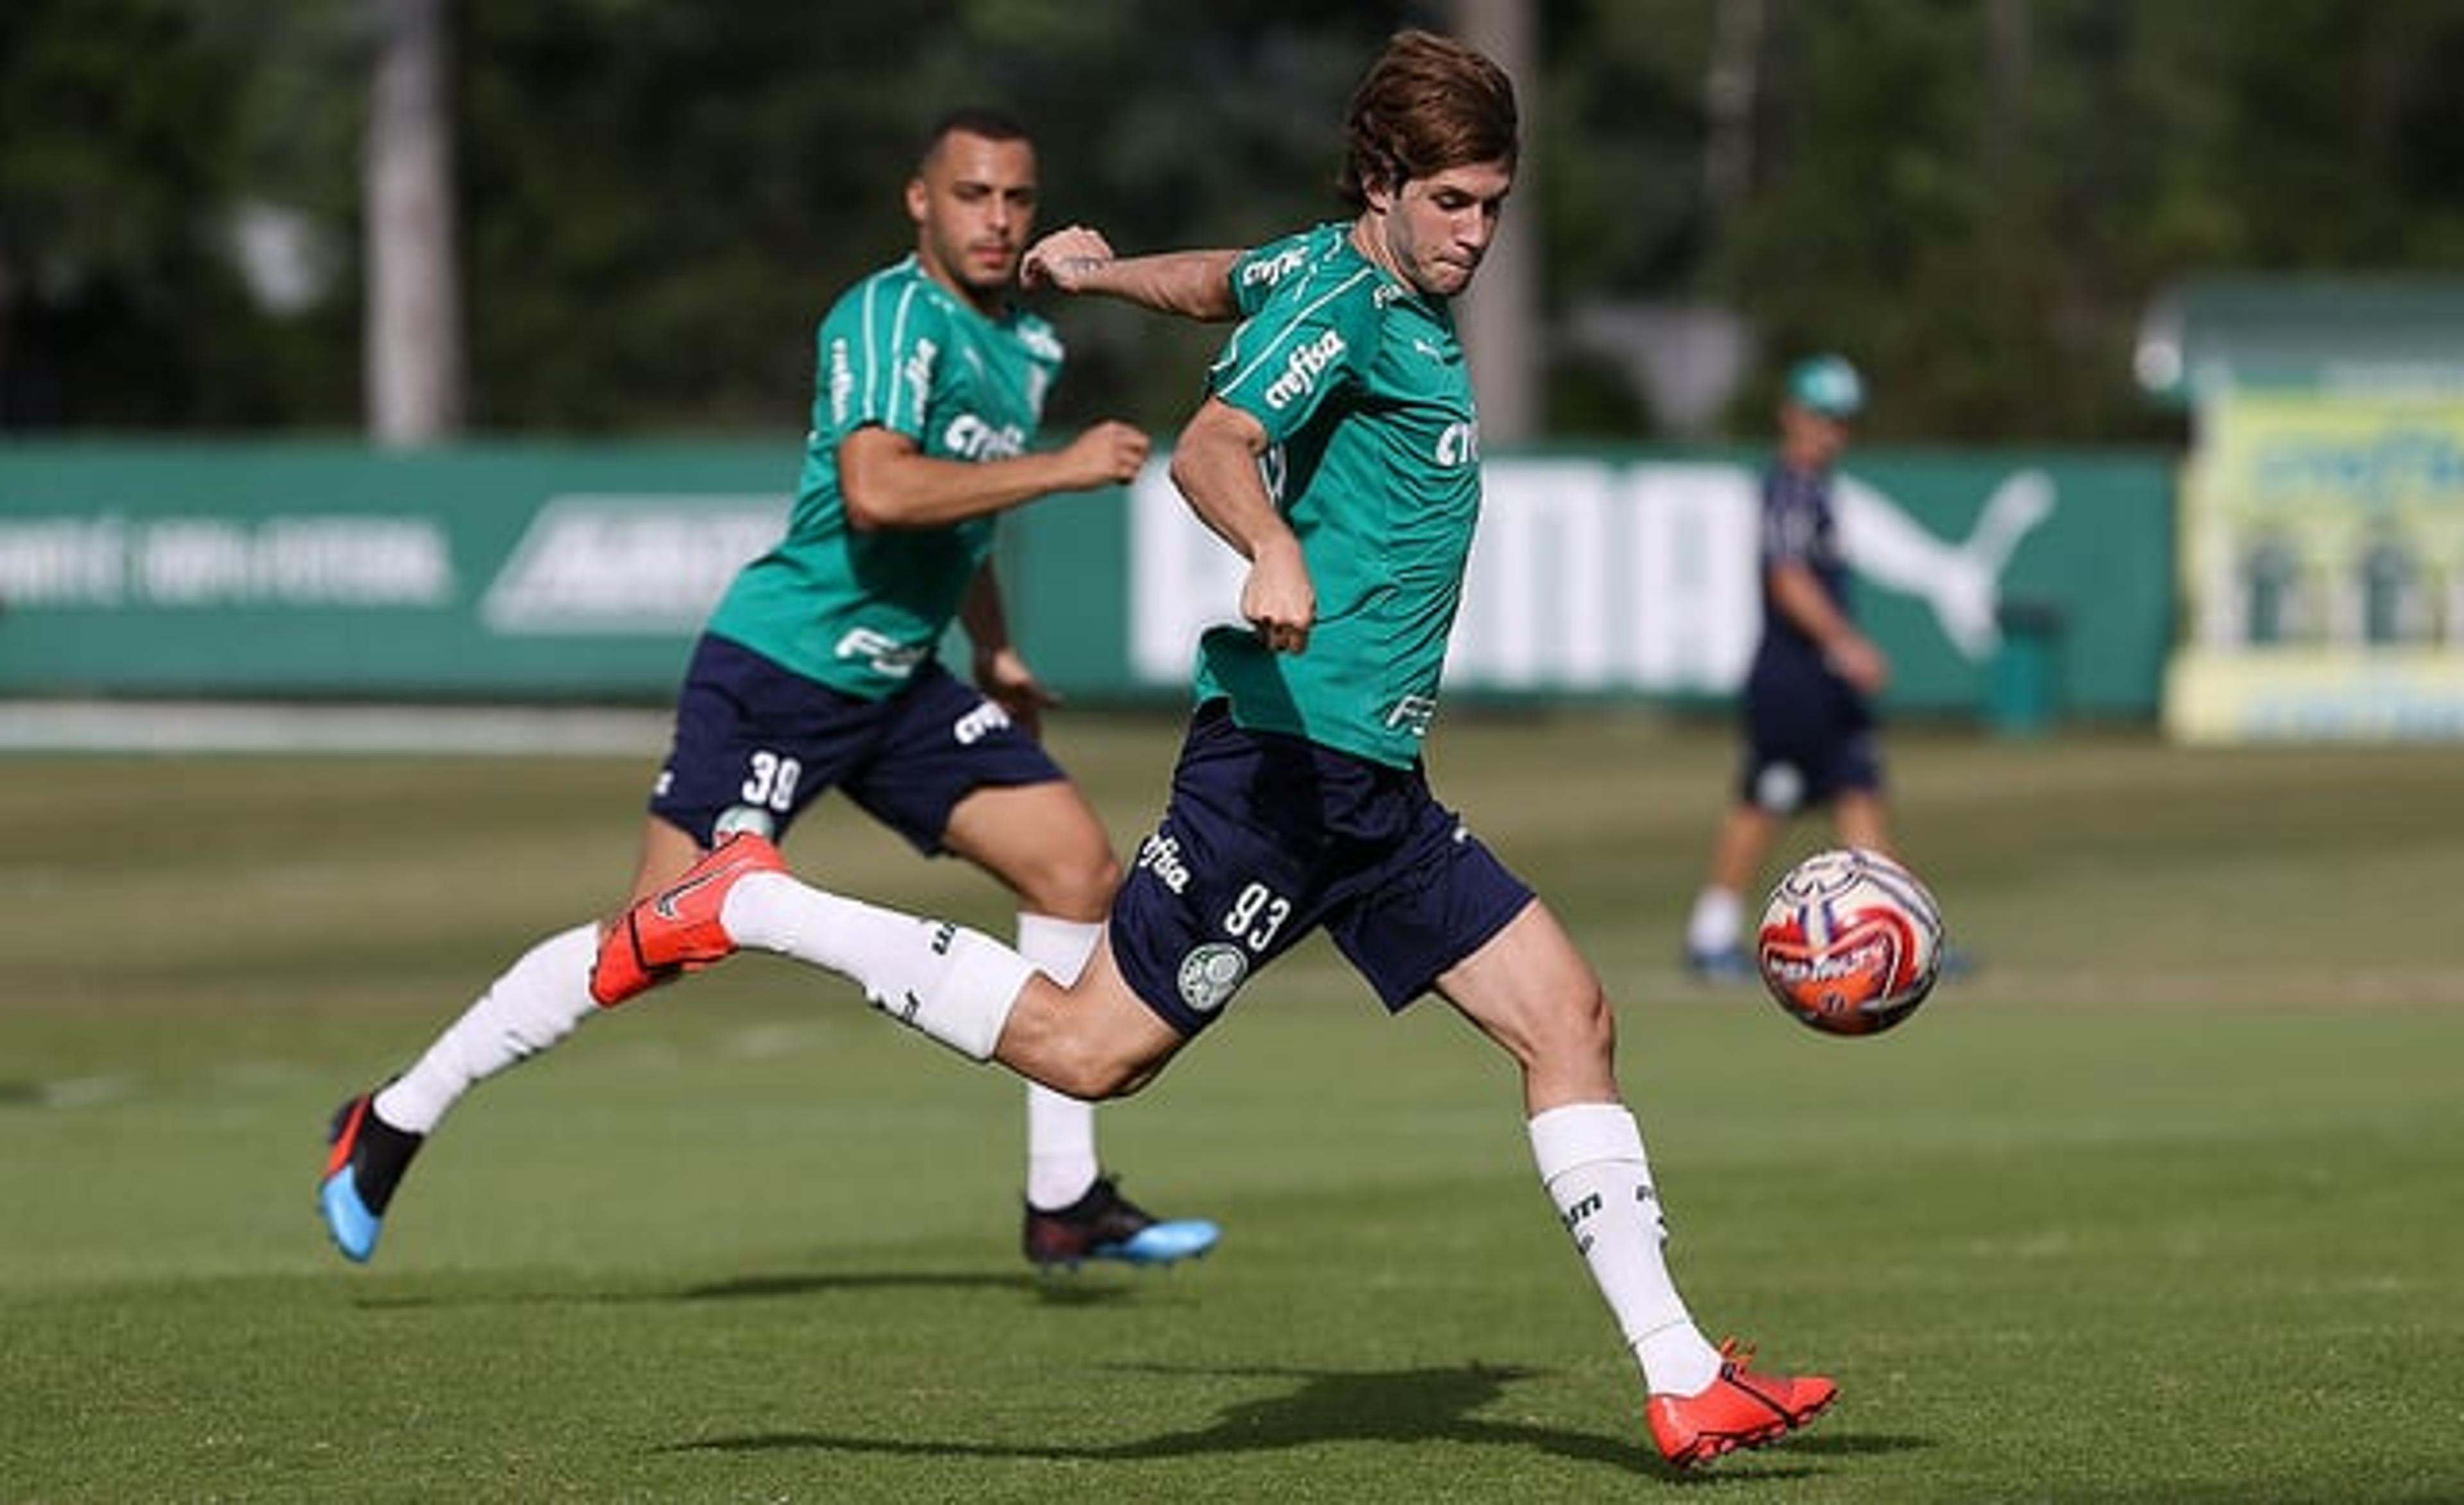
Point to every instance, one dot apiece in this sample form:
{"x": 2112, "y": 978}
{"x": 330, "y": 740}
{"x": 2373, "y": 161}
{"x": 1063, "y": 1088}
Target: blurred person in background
{"x": 1810, "y": 726}
{"x": 1337, "y": 451}
{"x": 819, "y": 670}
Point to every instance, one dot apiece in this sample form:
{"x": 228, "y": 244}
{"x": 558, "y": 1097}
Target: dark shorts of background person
{"x": 1809, "y": 738}
{"x": 1268, "y": 836}
{"x": 752, "y": 734}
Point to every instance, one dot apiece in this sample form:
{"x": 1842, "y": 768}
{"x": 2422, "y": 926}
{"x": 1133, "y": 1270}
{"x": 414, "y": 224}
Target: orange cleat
{"x": 1739, "y": 1409}
{"x": 678, "y": 929}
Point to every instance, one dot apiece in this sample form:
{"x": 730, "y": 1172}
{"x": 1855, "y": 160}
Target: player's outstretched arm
{"x": 889, "y": 482}
{"x": 1194, "y": 284}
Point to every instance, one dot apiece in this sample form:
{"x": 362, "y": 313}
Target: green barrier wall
{"x": 580, "y": 572}
{"x": 2085, "y": 603}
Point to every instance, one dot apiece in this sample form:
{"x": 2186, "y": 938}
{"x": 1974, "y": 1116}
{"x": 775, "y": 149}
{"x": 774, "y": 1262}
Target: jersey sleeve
{"x": 1258, "y": 271}
{"x": 1309, "y": 341}
{"x": 881, "y": 350}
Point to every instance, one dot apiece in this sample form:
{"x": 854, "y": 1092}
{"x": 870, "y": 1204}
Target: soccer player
{"x": 1337, "y": 451}
{"x": 1809, "y": 715}
{"x": 818, "y": 672}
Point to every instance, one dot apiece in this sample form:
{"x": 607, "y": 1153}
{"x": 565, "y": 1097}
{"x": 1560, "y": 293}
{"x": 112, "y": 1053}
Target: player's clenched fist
{"x": 1112, "y": 453}
{"x": 1063, "y": 258}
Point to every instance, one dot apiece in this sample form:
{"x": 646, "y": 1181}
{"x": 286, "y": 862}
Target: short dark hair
{"x": 989, "y": 122}
{"x": 1429, "y": 103}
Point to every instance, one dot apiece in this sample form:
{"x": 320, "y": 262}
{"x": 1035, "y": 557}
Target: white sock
{"x": 955, "y": 984}
{"x": 1591, "y": 1158}
{"x": 1060, "y": 1161}
{"x": 536, "y": 1002}
{"x": 1717, "y": 914}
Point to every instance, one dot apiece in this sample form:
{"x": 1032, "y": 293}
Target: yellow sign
{"x": 2316, "y": 695}
{"x": 2322, "y": 554}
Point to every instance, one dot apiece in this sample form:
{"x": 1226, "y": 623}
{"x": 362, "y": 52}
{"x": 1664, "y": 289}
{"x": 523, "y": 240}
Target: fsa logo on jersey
{"x": 1275, "y": 269}
{"x": 1303, "y": 367}
{"x": 1413, "y": 714}
{"x": 971, "y": 438}
{"x": 879, "y": 652}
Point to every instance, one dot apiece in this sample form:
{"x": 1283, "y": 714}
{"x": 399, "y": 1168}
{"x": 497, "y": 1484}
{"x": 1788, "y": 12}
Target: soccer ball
{"x": 1850, "y": 942}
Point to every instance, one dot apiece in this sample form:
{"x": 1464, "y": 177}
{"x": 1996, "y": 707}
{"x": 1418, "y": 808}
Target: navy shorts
{"x": 1267, "y": 838}
{"x": 756, "y": 738}
{"x": 1809, "y": 737}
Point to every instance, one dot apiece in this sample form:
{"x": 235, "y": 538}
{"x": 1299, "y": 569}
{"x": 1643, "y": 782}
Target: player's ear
{"x": 920, "y": 199}
{"x": 1381, "y": 181}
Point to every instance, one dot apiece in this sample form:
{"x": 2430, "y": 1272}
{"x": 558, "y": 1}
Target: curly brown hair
{"x": 1426, "y": 104}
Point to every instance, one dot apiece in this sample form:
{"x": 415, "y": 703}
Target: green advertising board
{"x": 564, "y": 573}
{"x": 2010, "y": 586}
{"x": 2020, "y": 587}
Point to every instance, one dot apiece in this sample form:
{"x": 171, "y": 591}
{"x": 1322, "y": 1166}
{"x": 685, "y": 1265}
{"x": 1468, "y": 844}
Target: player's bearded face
{"x": 1439, "y": 227}
{"x": 974, "y": 208}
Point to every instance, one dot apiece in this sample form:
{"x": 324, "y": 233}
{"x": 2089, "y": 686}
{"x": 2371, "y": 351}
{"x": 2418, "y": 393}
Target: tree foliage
{"x": 1975, "y": 198}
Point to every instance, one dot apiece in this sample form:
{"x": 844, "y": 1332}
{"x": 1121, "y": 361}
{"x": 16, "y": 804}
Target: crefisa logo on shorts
{"x": 1211, "y": 974}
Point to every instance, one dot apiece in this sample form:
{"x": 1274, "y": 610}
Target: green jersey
{"x": 859, "y": 611}
{"x": 1374, "y": 459}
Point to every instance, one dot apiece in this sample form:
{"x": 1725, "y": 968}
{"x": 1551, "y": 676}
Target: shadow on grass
{"x": 1059, "y": 1289}
{"x": 1403, "y": 1405}
{"x": 1054, "y": 1290}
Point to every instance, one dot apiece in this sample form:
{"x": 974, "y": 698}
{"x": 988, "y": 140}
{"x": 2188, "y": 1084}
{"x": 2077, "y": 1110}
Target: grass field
{"x": 2162, "y": 1205}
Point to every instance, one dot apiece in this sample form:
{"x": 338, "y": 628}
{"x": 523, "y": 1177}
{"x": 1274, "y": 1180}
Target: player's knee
{"x": 1088, "y": 880}
{"x": 1580, "y": 1030}
{"x": 1075, "y": 882}
{"x": 1095, "y": 1070}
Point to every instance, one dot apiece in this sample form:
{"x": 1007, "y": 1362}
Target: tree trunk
{"x": 1500, "y": 313}
{"x": 1728, "y": 89}
{"x": 414, "y": 315}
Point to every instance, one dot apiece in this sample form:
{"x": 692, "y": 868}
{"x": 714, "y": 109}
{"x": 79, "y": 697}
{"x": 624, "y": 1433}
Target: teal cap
{"x": 1828, "y": 385}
